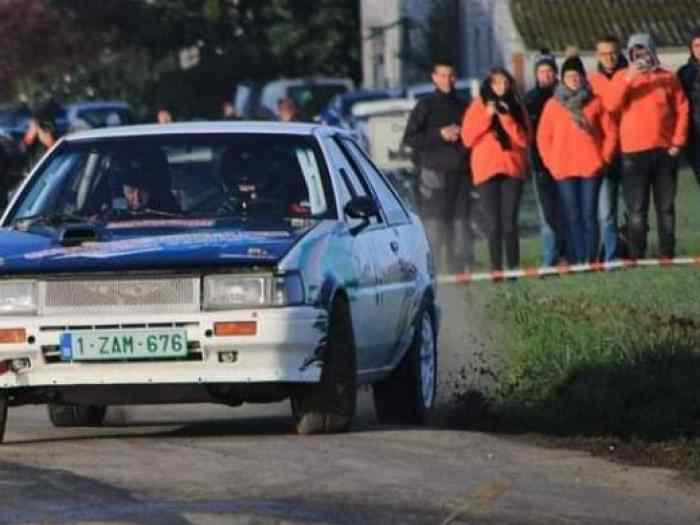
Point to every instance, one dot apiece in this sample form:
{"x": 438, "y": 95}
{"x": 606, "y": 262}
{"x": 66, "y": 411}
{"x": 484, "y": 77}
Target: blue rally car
{"x": 215, "y": 262}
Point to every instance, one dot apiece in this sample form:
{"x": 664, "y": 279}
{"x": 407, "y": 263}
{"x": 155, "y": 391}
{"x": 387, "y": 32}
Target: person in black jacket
{"x": 433, "y": 133}
{"x": 689, "y": 75}
{"x": 551, "y": 223}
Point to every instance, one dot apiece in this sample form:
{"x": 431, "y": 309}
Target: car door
{"x": 398, "y": 286}
{"x": 363, "y": 287}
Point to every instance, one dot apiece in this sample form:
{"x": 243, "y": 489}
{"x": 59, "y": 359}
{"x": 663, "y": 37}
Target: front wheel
{"x": 76, "y": 415}
{"x": 329, "y": 405}
{"x": 407, "y": 397}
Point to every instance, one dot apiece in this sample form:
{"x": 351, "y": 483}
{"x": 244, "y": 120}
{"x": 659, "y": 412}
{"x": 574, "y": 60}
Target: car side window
{"x": 348, "y": 179}
{"x": 394, "y": 210}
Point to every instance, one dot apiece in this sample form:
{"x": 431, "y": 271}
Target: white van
{"x": 311, "y": 95}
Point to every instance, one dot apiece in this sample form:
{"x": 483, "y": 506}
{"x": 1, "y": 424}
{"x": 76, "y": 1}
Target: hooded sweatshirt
{"x": 652, "y": 107}
{"x": 689, "y": 75}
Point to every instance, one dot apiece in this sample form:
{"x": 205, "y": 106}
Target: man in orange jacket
{"x": 610, "y": 61}
{"x": 653, "y": 128}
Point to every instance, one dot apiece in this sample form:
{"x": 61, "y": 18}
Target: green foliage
{"x": 135, "y": 49}
{"x": 602, "y": 354}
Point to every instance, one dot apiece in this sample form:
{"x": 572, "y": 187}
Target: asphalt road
{"x": 206, "y": 464}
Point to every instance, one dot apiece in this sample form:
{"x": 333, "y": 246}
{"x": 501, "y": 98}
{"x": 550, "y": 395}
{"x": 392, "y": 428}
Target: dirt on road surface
{"x": 206, "y": 464}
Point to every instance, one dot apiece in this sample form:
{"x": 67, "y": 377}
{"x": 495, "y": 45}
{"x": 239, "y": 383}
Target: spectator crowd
{"x": 587, "y": 139}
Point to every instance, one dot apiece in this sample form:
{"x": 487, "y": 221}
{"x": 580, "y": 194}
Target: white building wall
{"x": 382, "y": 63}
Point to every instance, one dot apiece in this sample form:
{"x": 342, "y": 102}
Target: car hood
{"x": 127, "y": 247}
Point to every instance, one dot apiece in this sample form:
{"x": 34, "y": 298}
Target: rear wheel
{"x": 329, "y": 405}
{"x": 77, "y": 415}
{"x": 408, "y": 395}
{"x": 3, "y": 414}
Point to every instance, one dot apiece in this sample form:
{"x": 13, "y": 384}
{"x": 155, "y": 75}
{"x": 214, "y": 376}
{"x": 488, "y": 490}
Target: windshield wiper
{"x": 49, "y": 219}
{"x": 145, "y": 212}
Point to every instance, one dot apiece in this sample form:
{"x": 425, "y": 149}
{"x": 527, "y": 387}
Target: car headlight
{"x": 17, "y": 297}
{"x": 225, "y": 292}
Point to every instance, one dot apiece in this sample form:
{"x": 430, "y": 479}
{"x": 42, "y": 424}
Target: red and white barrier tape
{"x": 565, "y": 270}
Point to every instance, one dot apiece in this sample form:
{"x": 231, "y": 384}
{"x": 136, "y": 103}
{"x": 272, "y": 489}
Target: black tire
{"x": 76, "y": 415}
{"x": 3, "y": 414}
{"x": 329, "y": 406}
{"x": 400, "y": 399}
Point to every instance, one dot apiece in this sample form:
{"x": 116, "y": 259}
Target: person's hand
{"x": 674, "y": 151}
{"x": 450, "y": 133}
{"x": 491, "y": 108}
{"x": 633, "y": 71}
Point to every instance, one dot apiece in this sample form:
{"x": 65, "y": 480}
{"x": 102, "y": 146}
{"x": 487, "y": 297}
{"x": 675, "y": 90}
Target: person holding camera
{"x": 496, "y": 128}
{"x": 654, "y": 115}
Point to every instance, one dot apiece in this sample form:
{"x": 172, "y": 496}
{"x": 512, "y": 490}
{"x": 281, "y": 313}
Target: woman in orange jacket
{"x": 577, "y": 137}
{"x": 495, "y": 128}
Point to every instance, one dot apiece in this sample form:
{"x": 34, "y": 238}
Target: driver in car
{"x": 144, "y": 191}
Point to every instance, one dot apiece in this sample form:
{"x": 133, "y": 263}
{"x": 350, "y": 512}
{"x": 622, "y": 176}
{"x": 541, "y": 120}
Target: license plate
{"x": 123, "y": 344}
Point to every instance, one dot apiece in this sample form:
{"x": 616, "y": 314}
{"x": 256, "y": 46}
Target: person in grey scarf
{"x": 577, "y": 137}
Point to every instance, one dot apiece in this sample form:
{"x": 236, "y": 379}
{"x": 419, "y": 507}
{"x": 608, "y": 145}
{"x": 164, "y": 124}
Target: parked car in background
{"x": 380, "y": 127}
{"x": 338, "y": 112}
{"x": 81, "y": 116}
{"x": 246, "y": 101}
{"x": 467, "y": 89}
{"x": 310, "y": 95}
{"x": 233, "y": 262}
{"x": 14, "y": 119}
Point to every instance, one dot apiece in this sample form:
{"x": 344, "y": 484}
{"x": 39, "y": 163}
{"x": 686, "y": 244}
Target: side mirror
{"x": 362, "y": 207}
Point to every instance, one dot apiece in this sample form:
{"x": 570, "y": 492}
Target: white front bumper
{"x": 286, "y": 338}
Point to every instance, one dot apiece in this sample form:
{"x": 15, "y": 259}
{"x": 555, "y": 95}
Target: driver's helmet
{"x": 145, "y": 169}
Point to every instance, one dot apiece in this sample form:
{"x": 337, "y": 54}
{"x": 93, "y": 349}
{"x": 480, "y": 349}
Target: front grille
{"x": 112, "y": 296}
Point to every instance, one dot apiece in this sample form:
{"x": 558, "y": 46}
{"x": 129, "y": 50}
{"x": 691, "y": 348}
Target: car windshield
{"x": 239, "y": 176}
{"x": 313, "y": 98}
{"x": 105, "y": 116}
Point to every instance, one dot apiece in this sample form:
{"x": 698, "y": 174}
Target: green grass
{"x": 688, "y": 225}
{"x": 600, "y": 355}
{"x": 613, "y": 353}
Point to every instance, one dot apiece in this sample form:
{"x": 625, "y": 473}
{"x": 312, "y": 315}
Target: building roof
{"x": 556, "y": 24}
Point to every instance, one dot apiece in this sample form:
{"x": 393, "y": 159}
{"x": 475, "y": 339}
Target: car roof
{"x": 203, "y": 127}
{"x": 98, "y": 104}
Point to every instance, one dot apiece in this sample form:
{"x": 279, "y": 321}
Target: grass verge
{"x": 612, "y": 355}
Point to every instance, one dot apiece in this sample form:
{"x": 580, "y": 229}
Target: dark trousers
{"x": 445, "y": 208}
{"x": 692, "y": 154}
{"x": 653, "y": 171}
{"x": 551, "y": 223}
{"x": 579, "y": 200}
{"x": 608, "y": 209}
{"x": 500, "y": 200}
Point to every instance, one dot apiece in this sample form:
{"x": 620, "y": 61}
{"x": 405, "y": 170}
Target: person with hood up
{"x": 653, "y": 128}
{"x": 610, "y": 61}
{"x": 496, "y": 128}
{"x": 577, "y": 137}
{"x": 689, "y": 75}
{"x": 551, "y": 227}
